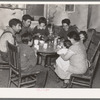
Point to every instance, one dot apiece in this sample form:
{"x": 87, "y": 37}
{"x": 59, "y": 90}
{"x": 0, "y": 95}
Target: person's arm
{"x": 67, "y": 56}
{"x": 10, "y": 38}
{"x": 34, "y": 32}
{"x": 61, "y": 32}
{"x": 46, "y": 32}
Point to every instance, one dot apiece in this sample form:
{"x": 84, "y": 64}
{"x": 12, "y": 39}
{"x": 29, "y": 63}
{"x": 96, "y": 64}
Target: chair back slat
{"x": 95, "y": 52}
{"x": 90, "y": 38}
{"x": 13, "y": 54}
{"x": 92, "y": 44}
{"x": 94, "y": 61}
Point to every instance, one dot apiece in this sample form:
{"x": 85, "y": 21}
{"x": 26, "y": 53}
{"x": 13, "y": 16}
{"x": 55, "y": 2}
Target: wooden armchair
{"x": 3, "y": 64}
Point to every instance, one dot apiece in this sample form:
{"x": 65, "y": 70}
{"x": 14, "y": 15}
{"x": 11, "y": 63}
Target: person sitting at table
{"x": 26, "y": 32}
{"x": 66, "y": 28}
{"x": 40, "y": 30}
{"x": 77, "y": 57}
{"x": 9, "y": 35}
{"x": 83, "y": 36}
{"x": 29, "y": 60}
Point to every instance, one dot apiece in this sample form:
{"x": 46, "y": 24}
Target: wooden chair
{"x": 92, "y": 43}
{"x": 16, "y": 76}
{"x": 91, "y": 33}
{"x": 86, "y": 79}
{"x": 4, "y": 65}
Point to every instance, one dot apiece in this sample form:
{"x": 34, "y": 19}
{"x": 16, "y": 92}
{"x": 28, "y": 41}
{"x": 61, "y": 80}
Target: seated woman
{"x": 83, "y": 36}
{"x": 77, "y": 57}
{"x": 40, "y": 30}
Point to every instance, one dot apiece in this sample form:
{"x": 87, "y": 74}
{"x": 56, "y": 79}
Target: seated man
{"x": 9, "y": 35}
{"x": 66, "y": 28}
{"x": 26, "y": 32}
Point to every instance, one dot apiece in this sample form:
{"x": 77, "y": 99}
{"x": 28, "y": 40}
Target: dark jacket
{"x": 63, "y": 33}
{"x": 27, "y": 56}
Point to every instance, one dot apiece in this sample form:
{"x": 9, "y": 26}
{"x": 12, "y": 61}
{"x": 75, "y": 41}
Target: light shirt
{"x": 8, "y": 36}
{"x": 64, "y": 65}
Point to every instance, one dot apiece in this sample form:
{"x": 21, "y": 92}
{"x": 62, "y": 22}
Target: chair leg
{"x": 19, "y": 81}
{"x": 70, "y": 82}
{"x": 37, "y": 59}
{"x": 45, "y": 61}
{"x": 9, "y": 80}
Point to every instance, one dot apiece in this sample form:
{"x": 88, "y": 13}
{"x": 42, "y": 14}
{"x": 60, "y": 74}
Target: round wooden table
{"x": 48, "y": 54}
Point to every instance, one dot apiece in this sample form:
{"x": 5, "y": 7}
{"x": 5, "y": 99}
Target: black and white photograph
{"x": 49, "y": 45}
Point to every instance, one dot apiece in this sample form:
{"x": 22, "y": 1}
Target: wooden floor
{"x": 51, "y": 80}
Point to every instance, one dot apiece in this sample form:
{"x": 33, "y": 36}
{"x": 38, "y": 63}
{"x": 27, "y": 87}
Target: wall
{"x": 95, "y": 17}
{"x": 56, "y": 13}
{"x": 79, "y": 17}
{"x": 7, "y": 14}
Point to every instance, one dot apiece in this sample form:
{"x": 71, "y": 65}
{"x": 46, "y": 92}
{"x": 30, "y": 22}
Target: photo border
{"x": 70, "y": 94}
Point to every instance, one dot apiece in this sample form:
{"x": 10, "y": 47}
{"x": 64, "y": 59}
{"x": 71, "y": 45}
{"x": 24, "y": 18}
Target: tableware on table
{"x": 45, "y": 45}
{"x": 36, "y": 46}
{"x": 36, "y": 42}
{"x": 41, "y": 42}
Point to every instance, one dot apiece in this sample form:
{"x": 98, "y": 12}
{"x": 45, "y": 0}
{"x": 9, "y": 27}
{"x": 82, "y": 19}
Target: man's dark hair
{"x": 14, "y": 22}
{"x": 26, "y": 17}
{"x": 74, "y": 35}
{"x": 42, "y": 20}
{"x": 67, "y": 21}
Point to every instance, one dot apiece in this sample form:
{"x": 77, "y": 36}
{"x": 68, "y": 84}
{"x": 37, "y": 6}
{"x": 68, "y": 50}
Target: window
{"x": 36, "y": 10}
{"x": 70, "y": 8}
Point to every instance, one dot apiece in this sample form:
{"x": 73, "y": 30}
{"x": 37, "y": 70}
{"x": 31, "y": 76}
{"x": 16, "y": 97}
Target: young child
{"x": 60, "y": 62}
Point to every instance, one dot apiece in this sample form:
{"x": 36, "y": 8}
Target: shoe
{"x": 65, "y": 85}
{"x": 58, "y": 80}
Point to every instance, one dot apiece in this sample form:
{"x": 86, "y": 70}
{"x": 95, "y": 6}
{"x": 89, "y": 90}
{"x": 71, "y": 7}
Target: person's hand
{"x": 58, "y": 48}
{"x": 30, "y": 43}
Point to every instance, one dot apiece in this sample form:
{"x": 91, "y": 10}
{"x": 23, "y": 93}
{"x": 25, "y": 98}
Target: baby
{"x": 60, "y": 62}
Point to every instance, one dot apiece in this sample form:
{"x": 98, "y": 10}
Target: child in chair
{"x": 60, "y": 62}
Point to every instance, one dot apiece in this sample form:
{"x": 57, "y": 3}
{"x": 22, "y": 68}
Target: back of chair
{"x": 95, "y": 52}
{"x": 91, "y": 33}
{"x": 94, "y": 60}
{"x": 14, "y": 60}
{"x": 92, "y": 44}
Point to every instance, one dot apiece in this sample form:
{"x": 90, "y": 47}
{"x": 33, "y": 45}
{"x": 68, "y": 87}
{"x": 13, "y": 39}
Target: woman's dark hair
{"x": 67, "y": 43}
{"x": 42, "y": 20}
{"x": 14, "y": 22}
{"x": 85, "y": 35}
{"x": 67, "y": 21}
{"x": 74, "y": 35}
